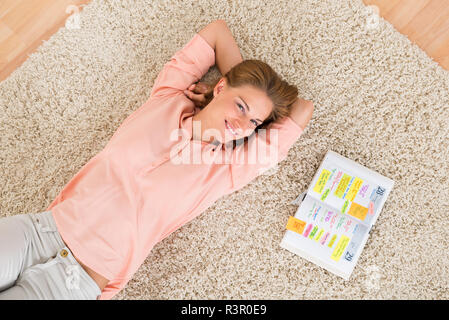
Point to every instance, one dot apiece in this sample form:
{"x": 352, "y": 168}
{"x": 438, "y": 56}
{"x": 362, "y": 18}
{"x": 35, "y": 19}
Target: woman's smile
{"x": 230, "y": 128}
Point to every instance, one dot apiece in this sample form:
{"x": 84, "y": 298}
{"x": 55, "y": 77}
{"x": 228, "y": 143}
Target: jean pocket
{"x": 40, "y": 267}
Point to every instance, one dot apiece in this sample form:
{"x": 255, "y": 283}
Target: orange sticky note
{"x": 295, "y": 225}
{"x": 358, "y": 211}
{"x": 331, "y": 243}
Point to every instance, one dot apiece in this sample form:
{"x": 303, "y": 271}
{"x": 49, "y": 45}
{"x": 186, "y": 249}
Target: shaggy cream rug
{"x": 379, "y": 100}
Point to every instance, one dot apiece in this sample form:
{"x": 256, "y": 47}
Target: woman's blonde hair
{"x": 261, "y": 76}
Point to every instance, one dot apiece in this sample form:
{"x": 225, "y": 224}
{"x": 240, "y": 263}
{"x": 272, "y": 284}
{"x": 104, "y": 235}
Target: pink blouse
{"x": 133, "y": 193}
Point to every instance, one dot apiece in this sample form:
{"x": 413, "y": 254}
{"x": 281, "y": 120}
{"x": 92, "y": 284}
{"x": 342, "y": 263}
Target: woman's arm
{"x": 302, "y": 112}
{"x": 188, "y": 65}
{"x": 268, "y": 150}
{"x": 227, "y": 52}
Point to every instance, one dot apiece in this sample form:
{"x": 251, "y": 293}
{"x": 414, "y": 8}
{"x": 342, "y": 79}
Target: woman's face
{"x": 227, "y": 116}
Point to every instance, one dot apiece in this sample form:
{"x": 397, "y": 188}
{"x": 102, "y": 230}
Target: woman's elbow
{"x": 302, "y": 112}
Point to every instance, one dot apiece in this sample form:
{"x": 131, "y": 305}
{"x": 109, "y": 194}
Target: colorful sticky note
{"x": 340, "y": 248}
{"x": 322, "y": 180}
{"x": 342, "y": 185}
{"x": 371, "y": 208}
{"x": 331, "y": 243}
{"x": 318, "y": 236}
{"x": 323, "y": 240}
{"x": 309, "y": 227}
{"x": 295, "y": 225}
{"x": 358, "y": 211}
{"x": 354, "y": 189}
{"x": 345, "y": 206}
{"x": 315, "y": 229}
{"x": 324, "y": 195}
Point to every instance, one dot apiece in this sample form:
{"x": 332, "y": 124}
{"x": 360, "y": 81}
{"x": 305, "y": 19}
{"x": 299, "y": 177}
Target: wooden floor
{"x": 24, "y": 24}
{"x": 425, "y": 22}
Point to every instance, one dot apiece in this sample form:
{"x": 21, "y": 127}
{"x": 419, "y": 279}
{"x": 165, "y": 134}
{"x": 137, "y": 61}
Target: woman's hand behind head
{"x": 196, "y": 93}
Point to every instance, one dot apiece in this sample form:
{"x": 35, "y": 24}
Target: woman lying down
{"x": 147, "y": 182}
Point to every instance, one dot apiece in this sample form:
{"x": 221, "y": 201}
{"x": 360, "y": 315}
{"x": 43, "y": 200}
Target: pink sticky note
{"x": 371, "y": 208}
{"x": 309, "y": 227}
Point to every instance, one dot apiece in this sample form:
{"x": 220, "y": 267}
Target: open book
{"x": 336, "y": 213}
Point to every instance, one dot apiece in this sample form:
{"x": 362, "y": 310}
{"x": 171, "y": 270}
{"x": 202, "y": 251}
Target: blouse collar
{"x": 187, "y": 124}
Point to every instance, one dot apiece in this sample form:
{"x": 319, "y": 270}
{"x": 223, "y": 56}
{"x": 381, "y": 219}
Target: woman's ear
{"x": 219, "y": 87}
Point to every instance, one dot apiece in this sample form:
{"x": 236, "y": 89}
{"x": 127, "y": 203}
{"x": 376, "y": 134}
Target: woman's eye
{"x": 243, "y": 109}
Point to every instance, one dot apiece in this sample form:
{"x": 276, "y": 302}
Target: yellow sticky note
{"x": 318, "y": 236}
{"x": 358, "y": 211}
{"x": 340, "y": 248}
{"x": 342, "y": 185}
{"x": 322, "y": 180}
{"x": 295, "y": 225}
{"x": 354, "y": 189}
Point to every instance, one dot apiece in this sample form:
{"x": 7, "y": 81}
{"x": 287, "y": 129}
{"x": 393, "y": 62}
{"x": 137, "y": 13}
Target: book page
{"x": 330, "y": 237}
{"x": 350, "y": 190}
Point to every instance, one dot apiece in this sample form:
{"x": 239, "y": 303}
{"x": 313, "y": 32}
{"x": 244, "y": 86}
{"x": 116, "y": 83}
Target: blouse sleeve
{"x": 187, "y": 66}
{"x": 263, "y": 151}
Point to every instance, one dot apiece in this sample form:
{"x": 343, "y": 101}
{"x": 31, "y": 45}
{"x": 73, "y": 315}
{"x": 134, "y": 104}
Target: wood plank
{"x": 24, "y": 12}
{"x": 11, "y": 44}
{"x": 436, "y": 29}
{"x": 384, "y": 5}
{"x": 29, "y": 33}
{"x": 7, "y": 5}
{"x": 404, "y": 12}
{"x": 48, "y": 16}
{"x": 419, "y": 28}
{"x": 424, "y": 22}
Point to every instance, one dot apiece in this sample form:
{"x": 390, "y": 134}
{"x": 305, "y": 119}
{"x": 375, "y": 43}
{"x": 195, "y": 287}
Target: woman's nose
{"x": 246, "y": 126}
{"x": 241, "y": 128}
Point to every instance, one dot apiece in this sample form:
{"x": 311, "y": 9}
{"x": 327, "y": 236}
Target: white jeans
{"x": 36, "y": 264}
